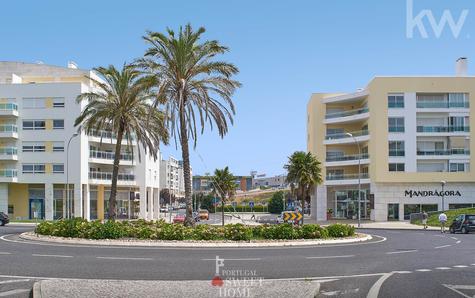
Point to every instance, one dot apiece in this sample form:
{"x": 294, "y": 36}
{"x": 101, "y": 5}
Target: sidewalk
{"x": 380, "y": 225}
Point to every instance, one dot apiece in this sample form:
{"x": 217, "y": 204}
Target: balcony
{"x": 441, "y": 104}
{"x": 108, "y": 157}
{"x": 437, "y": 130}
{"x": 8, "y": 109}
{"x": 106, "y": 178}
{"x": 457, "y": 153}
{"x": 347, "y": 160}
{"x": 347, "y": 116}
{"x": 8, "y": 153}
{"x": 8, "y": 131}
{"x": 105, "y": 136}
{"x": 345, "y": 138}
{"x": 347, "y": 98}
{"x": 8, "y": 175}
{"x": 343, "y": 179}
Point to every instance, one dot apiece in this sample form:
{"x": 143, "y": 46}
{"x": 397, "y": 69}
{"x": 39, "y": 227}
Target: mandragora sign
{"x": 430, "y": 193}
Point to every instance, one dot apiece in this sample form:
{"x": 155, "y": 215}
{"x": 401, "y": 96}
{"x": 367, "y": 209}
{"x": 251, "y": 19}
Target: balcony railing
{"x": 346, "y": 113}
{"x": 105, "y": 134}
{"x": 344, "y": 135}
{"x": 395, "y": 152}
{"x": 347, "y": 157}
{"x": 347, "y": 176}
{"x": 8, "y": 173}
{"x": 443, "y": 128}
{"x": 109, "y": 155}
{"x": 8, "y": 107}
{"x": 108, "y": 176}
{"x": 443, "y": 152}
{"x": 439, "y": 104}
{"x": 8, "y": 151}
{"x": 8, "y": 128}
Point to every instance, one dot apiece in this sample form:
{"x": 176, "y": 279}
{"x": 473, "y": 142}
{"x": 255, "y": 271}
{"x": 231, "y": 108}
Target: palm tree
{"x": 304, "y": 173}
{"x": 123, "y": 105}
{"x": 194, "y": 88}
{"x": 224, "y": 186}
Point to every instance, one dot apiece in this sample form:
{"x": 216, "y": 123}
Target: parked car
{"x": 463, "y": 223}
{"x": 196, "y": 216}
{"x": 204, "y": 214}
{"x": 179, "y": 218}
{"x": 4, "y": 219}
{"x": 163, "y": 209}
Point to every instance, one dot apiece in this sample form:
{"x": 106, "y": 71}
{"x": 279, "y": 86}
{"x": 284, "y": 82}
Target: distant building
{"x": 278, "y": 181}
{"x": 172, "y": 176}
{"x": 205, "y": 183}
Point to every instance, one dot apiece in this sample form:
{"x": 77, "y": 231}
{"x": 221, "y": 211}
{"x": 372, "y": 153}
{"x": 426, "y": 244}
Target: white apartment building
{"x": 37, "y": 113}
{"x": 172, "y": 177}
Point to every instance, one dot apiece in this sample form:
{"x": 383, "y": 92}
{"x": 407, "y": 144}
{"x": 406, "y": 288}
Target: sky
{"x": 285, "y": 51}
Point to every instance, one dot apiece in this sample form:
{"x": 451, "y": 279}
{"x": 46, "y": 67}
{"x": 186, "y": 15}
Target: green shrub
{"x": 313, "y": 231}
{"x": 340, "y": 230}
{"x": 276, "y": 202}
{"x": 237, "y": 232}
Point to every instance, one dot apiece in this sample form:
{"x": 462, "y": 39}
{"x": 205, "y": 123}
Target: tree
{"x": 206, "y": 202}
{"x": 304, "y": 172}
{"x": 193, "y": 86}
{"x": 122, "y": 105}
{"x": 224, "y": 186}
{"x": 276, "y": 202}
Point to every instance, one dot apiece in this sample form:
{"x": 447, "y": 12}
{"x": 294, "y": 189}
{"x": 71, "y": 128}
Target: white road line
{"x": 454, "y": 238}
{"x": 52, "y": 256}
{"x": 12, "y": 281}
{"x": 374, "y": 291}
{"x": 472, "y": 264}
{"x": 119, "y": 258}
{"x": 5, "y": 253}
{"x": 331, "y": 257}
{"x": 443, "y": 268}
{"x": 400, "y": 251}
{"x": 460, "y": 266}
{"x": 13, "y": 292}
{"x": 248, "y": 259}
{"x": 440, "y": 236}
{"x": 442, "y": 246}
{"x": 458, "y": 241}
{"x": 423, "y": 270}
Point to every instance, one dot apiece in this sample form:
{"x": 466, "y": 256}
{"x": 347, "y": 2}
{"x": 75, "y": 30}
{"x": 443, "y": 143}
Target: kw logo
{"x": 413, "y": 22}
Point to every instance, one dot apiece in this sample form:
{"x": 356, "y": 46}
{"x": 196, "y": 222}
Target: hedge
{"x": 160, "y": 230}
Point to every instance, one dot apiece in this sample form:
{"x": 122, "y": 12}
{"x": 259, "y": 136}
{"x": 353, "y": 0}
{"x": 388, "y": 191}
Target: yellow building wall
{"x": 100, "y": 202}
{"x": 18, "y": 197}
{"x": 49, "y": 124}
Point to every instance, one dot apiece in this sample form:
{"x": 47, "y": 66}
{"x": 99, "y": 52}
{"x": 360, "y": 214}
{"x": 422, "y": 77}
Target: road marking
{"x": 460, "y": 266}
{"x": 5, "y": 253}
{"x": 440, "y": 236}
{"x": 458, "y": 241}
{"x": 472, "y": 264}
{"x": 443, "y": 268}
{"x": 245, "y": 259}
{"x": 12, "y": 281}
{"x": 442, "y": 246}
{"x": 454, "y": 238}
{"x": 331, "y": 257}
{"x": 456, "y": 289}
{"x": 374, "y": 291}
{"x": 13, "y": 292}
{"x": 122, "y": 258}
{"x": 52, "y": 256}
{"x": 423, "y": 270}
{"x": 400, "y": 251}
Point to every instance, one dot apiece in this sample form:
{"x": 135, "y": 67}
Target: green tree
{"x": 121, "y": 104}
{"x": 194, "y": 87}
{"x": 276, "y": 202}
{"x": 304, "y": 172}
{"x": 206, "y": 202}
{"x": 224, "y": 186}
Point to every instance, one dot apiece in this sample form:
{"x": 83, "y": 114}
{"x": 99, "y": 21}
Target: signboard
{"x": 292, "y": 217}
{"x": 432, "y": 193}
{"x": 251, "y": 204}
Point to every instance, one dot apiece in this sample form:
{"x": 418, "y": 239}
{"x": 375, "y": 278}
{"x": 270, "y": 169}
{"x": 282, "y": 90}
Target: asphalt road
{"x": 393, "y": 264}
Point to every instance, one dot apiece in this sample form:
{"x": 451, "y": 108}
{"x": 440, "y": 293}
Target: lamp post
{"x": 443, "y": 182}
{"x": 68, "y": 203}
{"x": 359, "y": 177}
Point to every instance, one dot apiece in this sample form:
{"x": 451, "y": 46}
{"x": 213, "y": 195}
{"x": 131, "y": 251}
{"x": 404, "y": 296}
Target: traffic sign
{"x": 234, "y": 204}
{"x": 251, "y": 204}
{"x": 292, "y": 216}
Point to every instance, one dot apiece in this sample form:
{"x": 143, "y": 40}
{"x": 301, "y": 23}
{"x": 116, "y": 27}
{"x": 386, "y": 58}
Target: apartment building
{"x": 205, "y": 183}
{"x": 172, "y": 176}
{"x": 279, "y": 181}
{"x": 37, "y": 113}
{"x": 404, "y": 141}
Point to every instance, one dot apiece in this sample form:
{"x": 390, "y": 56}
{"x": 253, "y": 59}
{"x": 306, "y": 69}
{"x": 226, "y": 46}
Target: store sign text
{"x": 430, "y": 193}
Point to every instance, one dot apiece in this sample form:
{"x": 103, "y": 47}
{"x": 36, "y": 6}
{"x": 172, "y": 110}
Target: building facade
{"x": 37, "y": 112}
{"x": 205, "y": 183}
{"x": 405, "y": 142}
{"x": 172, "y": 176}
{"x": 278, "y": 181}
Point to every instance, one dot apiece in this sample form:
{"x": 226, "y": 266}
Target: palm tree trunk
{"x": 185, "y": 151}
{"x": 303, "y": 193}
{"x": 222, "y": 211}
{"x": 115, "y": 174}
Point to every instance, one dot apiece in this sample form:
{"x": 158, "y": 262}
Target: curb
{"x": 185, "y": 244}
{"x": 36, "y": 292}
{"x": 398, "y": 229}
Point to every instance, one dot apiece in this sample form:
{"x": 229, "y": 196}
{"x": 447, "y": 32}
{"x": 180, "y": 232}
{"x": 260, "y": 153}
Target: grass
{"x": 433, "y": 219}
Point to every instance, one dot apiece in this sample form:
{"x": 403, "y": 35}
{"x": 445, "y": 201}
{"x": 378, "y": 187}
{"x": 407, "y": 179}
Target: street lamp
{"x": 359, "y": 177}
{"x": 443, "y": 182}
{"x": 68, "y": 203}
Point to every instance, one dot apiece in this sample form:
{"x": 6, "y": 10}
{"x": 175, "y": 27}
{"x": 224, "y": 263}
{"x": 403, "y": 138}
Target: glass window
{"x": 58, "y": 168}
{"x": 40, "y": 124}
{"x": 58, "y": 146}
{"x": 39, "y": 168}
{"x": 33, "y": 147}
{"x": 58, "y": 124}
{"x": 27, "y": 168}
{"x": 457, "y": 167}
{"x": 395, "y": 101}
{"x": 58, "y": 102}
{"x": 396, "y": 124}
{"x": 396, "y": 148}
{"x": 28, "y": 125}
{"x": 396, "y": 167}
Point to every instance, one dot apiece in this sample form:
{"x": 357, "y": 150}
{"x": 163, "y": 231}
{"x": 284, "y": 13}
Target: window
{"x": 33, "y": 168}
{"x": 396, "y": 167}
{"x": 396, "y": 124}
{"x": 58, "y": 124}
{"x": 33, "y": 147}
{"x": 34, "y": 103}
{"x": 27, "y": 169}
{"x": 28, "y": 125}
{"x": 34, "y": 124}
{"x": 458, "y": 167}
{"x": 395, "y": 101}
{"x": 58, "y": 146}
{"x": 39, "y": 168}
{"x": 58, "y": 168}
{"x": 58, "y": 102}
{"x": 396, "y": 148}
{"x": 11, "y": 210}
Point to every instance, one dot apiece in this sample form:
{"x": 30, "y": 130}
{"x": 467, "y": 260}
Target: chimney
{"x": 461, "y": 67}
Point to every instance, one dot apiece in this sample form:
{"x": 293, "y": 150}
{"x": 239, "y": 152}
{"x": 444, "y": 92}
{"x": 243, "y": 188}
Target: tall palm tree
{"x": 224, "y": 186}
{"x": 193, "y": 86}
{"x": 304, "y": 172}
{"x": 123, "y": 105}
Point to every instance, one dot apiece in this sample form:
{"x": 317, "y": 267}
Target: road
{"x": 393, "y": 264}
